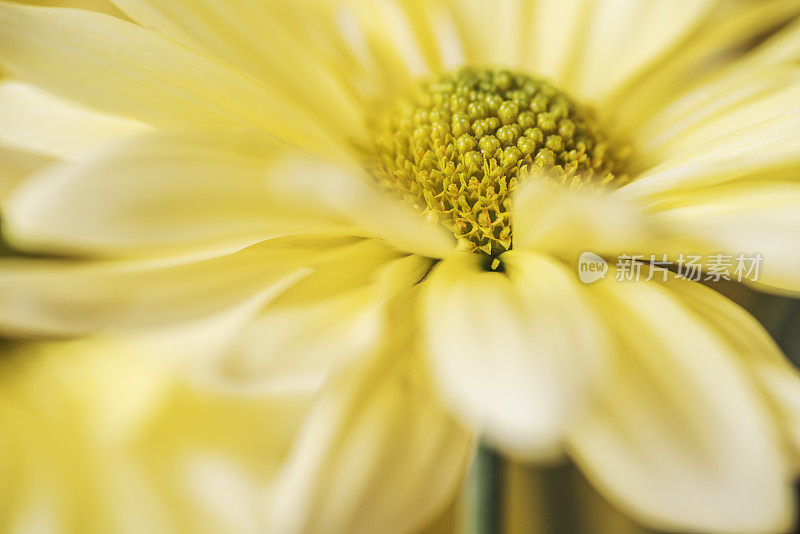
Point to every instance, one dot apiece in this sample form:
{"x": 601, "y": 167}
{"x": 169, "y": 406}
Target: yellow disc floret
{"x": 457, "y": 147}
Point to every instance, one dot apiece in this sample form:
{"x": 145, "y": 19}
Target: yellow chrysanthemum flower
{"x": 382, "y": 203}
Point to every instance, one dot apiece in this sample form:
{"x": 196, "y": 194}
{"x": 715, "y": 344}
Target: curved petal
{"x": 16, "y": 165}
{"x": 758, "y": 352}
{"x": 584, "y": 46}
{"x": 725, "y": 34}
{"x": 38, "y": 122}
{"x": 136, "y": 73}
{"x": 340, "y": 303}
{"x": 768, "y": 149}
{"x": 751, "y": 218}
{"x": 63, "y": 297}
{"x": 717, "y": 109}
{"x": 268, "y": 40}
{"x": 566, "y": 223}
{"x": 159, "y": 192}
{"x": 97, "y": 428}
{"x": 512, "y": 354}
{"x": 68, "y": 410}
{"x": 679, "y": 436}
{"x": 376, "y": 454}
{"x": 623, "y": 37}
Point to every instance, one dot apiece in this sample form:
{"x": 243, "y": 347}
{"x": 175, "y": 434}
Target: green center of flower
{"x": 458, "y": 146}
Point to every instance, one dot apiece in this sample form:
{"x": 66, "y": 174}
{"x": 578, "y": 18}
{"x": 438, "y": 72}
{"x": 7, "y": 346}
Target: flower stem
{"x": 483, "y": 496}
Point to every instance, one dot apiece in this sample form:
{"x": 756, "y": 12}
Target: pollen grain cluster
{"x": 458, "y": 146}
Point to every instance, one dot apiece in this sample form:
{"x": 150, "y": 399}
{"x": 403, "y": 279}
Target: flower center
{"x": 458, "y": 146}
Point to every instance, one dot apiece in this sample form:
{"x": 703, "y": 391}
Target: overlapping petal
{"x": 750, "y": 218}
{"x": 758, "y": 352}
{"x": 728, "y": 31}
{"x": 341, "y": 303}
{"x": 513, "y": 355}
{"x": 268, "y": 40}
{"x": 679, "y": 434}
{"x": 377, "y": 454}
{"x": 767, "y": 149}
{"x": 139, "y": 74}
{"x": 565, "y": 223}
{"x": 35, "y": 121}
{"x": 16, "y": 165}
{"x": 584, "y": 46}
{"x": 717, "y": 109}
{"x": 195, "y": 190}
{"x": 60, "y": 297}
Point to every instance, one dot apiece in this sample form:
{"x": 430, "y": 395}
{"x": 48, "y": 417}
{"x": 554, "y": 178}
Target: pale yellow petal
{"x": 766, "y": 150}
{"x": 208, "y": 455}
{"x": 319, "y": 190}
{"x": 679, "y": 436}
{"x": 97, "y": 428}
{"x": 136, "y": 73}
{"x": 747, "y": 218}
{"x": 268, "y": 40}
{"x": 193, "y": 190}
{"x": 714, "y": 110}
{"x": 479, "y": 25}
{"x": 340, "y": 303}
{"x": 625, "y": 36}
{"x": 16, "y": 165}
{"x": 566, "y": 223}
{"x": 588, "y": 47}
{"x": 154, "y": 193}
{"x": 67, "y": 411}
{"x": 558, "y": 35}
{"x": 377, "y": 454}
{"x": 36, "y": 121}
{"x": 777, "y": 376}
{"x": 729, "y": 30}
{"x": 399, "y": 41}
{"x": 59, "y": 297}
{"x": 511, "y": 354}
{"x": 103, "y": 6}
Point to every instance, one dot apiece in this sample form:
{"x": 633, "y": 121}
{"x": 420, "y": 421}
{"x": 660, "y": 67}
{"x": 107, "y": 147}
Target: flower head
{"x": 382, "y": 206}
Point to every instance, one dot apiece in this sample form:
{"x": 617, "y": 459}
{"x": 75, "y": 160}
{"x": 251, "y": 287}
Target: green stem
{"x": 483, "y": 497}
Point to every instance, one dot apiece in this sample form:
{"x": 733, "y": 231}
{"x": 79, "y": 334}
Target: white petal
{"x": 512, "y": 354}
{"x": 678, "y": 436}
